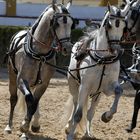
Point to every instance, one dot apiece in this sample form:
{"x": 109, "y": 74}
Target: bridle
{"x": 58, "y": 42}
{"x": 53, "y": 29}
{"x": 108, "y": 26}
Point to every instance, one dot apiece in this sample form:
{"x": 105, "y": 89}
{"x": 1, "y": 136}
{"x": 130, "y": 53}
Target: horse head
{"x": 114, "y": 24}
{"x": 53, "y": 28}
{"x": 62, "y": 23}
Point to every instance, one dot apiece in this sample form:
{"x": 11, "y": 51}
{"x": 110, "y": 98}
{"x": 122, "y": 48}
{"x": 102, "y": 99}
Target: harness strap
{"x": 106, "y": 60}
{"x": 31, "y": 53}
{"x": 78, "y": 72}
{"x": 134, "y": 84}
{"x": 38, "y": 78}
{"x": 14, "y": 49}
{"x": 101, "y": 79}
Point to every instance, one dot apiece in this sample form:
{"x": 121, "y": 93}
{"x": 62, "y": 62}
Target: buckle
{"x": 43, "y": 59}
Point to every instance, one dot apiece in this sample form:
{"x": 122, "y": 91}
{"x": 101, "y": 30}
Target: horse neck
{"x": 43, "y": 34}
{"x": 102, "y": 42}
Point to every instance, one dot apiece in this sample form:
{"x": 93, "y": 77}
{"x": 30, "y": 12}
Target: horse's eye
{"x": 56, "y": 25}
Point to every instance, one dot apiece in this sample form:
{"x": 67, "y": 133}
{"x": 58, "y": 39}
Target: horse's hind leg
{"x": 13, "y": 97}
{"x": 135, "y": 113}
{"x": 107, "y": 116}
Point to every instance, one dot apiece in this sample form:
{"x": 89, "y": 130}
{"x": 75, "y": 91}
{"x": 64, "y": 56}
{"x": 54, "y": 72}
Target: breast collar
{"x": 105, "y": 59}
{"x": 37, "y": 56}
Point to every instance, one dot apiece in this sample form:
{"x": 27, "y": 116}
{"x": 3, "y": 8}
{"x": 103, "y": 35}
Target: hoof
{"x": 106, "y": 119}
{"x": 24, "y": 128}
{"x": 67, "y": 129}
{"x": 69, "y": 137}
{"x": 129, "y": 130}
{"x": 88, "y": 138}
{"x": 7, "y": 130}
{"x": 24, "y": 137}
{"x": 35, "y": 129}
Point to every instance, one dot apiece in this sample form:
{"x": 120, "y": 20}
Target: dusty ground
{"x": 52, "y": 107}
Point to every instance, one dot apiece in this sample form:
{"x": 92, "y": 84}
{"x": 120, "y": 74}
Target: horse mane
{"x": 64, "y": 10}
{"x": 88, "y": 37}
{"x": 39, "y": 18}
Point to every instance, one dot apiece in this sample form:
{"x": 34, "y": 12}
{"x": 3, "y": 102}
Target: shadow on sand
{"x": 40, "y": 137}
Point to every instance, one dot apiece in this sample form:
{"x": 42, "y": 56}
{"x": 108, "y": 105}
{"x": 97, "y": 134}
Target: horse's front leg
{"x": 107, "y": 116}
{"x": 35, "y": 122}
{"x": 90, "y": 114}
{"x": 31, "y": 103}
{"x": 82, "y": 100}
{"x": 72, "y": 102}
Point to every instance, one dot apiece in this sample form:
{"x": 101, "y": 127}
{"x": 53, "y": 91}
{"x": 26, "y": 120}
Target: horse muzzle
{"x": 66, "y": 48}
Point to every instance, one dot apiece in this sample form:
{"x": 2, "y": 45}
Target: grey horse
{"x": 31, "y": 56}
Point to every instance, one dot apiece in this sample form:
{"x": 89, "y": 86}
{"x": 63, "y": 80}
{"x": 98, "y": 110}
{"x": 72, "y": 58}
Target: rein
{"x": 130, "y": 42}
{"x": 46, "y": 45}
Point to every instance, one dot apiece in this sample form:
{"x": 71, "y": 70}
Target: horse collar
{"x": 31, "y": 53}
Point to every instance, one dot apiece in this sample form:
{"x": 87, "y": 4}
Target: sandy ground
{"x": 52, "y": 106}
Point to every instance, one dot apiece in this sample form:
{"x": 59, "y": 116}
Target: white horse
{"x": 97, "y": 73}
{"x": 31, "y": 56}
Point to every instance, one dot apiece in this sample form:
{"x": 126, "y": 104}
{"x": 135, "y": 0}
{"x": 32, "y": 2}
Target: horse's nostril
{"x": 64, "y": 49}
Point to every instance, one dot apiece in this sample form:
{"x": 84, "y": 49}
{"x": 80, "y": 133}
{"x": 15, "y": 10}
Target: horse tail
{"x": 21, "y": 106}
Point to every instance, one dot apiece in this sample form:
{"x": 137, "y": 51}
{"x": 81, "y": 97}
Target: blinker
{"x": 117, "y": 23}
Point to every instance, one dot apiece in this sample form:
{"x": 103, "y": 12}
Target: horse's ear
{"x": 54, "y": 6}
{"x": 124, "y": 1}
{"x": 69, "y": 4}
{"x": 109, "y": 6}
